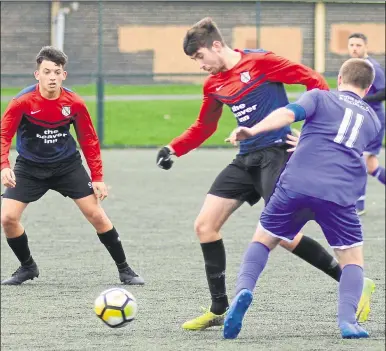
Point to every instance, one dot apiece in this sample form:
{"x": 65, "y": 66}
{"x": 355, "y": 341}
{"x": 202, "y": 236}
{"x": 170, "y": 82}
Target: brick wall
{"x": 25, "y": 27}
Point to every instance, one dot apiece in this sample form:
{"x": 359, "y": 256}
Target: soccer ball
{"x": 116, "y": 307}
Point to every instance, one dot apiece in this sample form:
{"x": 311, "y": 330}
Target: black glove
{"x": 164, "y": 159}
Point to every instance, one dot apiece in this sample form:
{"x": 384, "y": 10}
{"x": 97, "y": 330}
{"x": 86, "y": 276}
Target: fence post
{"x": 100, "y": 78}
{"x": 320, "y": 37}
{"x": 258, "y": 24}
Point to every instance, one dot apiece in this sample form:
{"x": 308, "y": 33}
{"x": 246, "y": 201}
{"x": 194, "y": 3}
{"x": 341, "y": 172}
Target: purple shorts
{"x": 287, "y": 212}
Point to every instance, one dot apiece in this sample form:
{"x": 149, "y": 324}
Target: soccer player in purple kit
{"x": 357, "y": 47}
{"x": 338, "y": 127}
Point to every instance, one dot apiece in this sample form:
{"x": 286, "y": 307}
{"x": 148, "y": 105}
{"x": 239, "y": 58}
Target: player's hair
{"x": 359, "y": 36}
{"x": 50, "y": 53}
{"x": 357, "y": 72}
{"x": 202, "y": 35}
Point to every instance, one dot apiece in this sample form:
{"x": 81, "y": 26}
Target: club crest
{"x": 66, "y": 111}
{"x": 245, "y": 77}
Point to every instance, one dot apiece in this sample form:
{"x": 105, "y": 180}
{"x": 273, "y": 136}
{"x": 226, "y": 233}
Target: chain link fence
{"x": 140, "y": 42}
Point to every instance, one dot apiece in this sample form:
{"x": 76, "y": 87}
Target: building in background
{"x": 142, "y": 41}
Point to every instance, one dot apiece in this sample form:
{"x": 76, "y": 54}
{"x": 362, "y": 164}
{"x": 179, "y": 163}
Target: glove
{"x": 164, "y": 160}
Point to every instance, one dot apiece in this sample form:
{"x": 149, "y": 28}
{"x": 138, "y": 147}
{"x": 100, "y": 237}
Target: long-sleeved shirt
{"x": 43, "y": 129}
{"x": 252, "y": 89}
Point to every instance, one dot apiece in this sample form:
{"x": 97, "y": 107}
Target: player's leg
{"x": 343, "y": 231}
{"x": 215, "y": 211}
{"x": 282, "y": 219}
{"x": 361, "y": 203}
{"x": 231, "y": 188}
{"x": 11, "y": 211}
{"x": 76, "y": 184}
{"x": 350, "y": 291}
{"x": 302, "y": 246}
{"x": 15, "y": 200}
{"x": 373, "y": 167}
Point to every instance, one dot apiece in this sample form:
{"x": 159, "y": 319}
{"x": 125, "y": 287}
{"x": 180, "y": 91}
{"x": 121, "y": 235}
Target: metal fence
{"x": 141, "y": 42}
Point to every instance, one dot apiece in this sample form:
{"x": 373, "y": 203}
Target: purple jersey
{"x": 327, "y": 163}
{"x": 378, "y": 84}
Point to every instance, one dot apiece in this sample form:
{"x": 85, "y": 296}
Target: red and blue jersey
{"x": 252, "y": 89}
{"x": 43, "y": 129}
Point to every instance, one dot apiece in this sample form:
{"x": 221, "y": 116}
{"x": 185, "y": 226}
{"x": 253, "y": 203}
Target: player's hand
{"x": 240, "y": 133}
{"x": 293, "y": 140}
{"x": 8, "y": 178}
{"x": 100, "y": 190}
{"x": 164, "y": 158}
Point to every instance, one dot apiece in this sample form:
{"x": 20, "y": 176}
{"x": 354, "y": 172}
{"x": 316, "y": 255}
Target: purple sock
{"x": 350, "y": 291}
{"x": 255, "y": 259}
{"x": 379, "y": 173}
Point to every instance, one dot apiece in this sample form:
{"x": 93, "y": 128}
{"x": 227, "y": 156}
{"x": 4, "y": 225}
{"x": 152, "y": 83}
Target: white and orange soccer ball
{"x": 116, "y": 307}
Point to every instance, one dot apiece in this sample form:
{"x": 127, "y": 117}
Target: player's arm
{"x": 9, "y": 124}
{"x": 195, "y": 135}
{"x": 377, "y": 97}
{"x": 303, "y": 108}
{"x": 279, "y": 69}
{"x": 89, "y": 143}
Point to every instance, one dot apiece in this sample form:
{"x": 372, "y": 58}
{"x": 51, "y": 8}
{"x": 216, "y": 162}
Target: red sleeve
{"x": 9, "y": 124}
{"x": 89, "y": 143}
{"x": 202, "y": 129}
{"x": 279, "y": 69}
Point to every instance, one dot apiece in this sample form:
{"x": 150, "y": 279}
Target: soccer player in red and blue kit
{"x": 250, "y": 82}
{"x": 322, "y": 181}
{"x": 48, "y": 159}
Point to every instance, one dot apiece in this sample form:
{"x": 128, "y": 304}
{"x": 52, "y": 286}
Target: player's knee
{"x": 353, "y": 255}
{"x": 202, "y": 228}
{"x": 97, "y": 217}
{"x": 291, "y": 245}
{"x": 288, "y": 245}
{"x": 8, "y": 219}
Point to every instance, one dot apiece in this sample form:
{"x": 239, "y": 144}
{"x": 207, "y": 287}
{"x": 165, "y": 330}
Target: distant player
{"x": 357, "y": 47}
{"x": 250, "y": 83}
{"x": 321, "y": 182}
{"x": 48, "y": 159}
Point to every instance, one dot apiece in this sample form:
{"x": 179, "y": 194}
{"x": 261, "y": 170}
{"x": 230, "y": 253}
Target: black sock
{"x": 113, "y": 245}
{"x": 20, "y": 248}
{"x": 215, "y": 262}
{"x": 315, "y": 254}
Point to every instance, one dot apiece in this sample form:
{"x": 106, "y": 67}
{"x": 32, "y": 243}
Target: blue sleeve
{"x": 379, "y": 81}
{"x": 299, "y": 111}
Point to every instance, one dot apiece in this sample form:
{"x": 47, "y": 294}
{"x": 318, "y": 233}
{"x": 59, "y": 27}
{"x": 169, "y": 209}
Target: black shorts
{"x": 252, "y": 176}
{"x": 33, "y": 180}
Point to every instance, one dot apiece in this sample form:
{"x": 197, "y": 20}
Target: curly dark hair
{"x": 50, "y": 53}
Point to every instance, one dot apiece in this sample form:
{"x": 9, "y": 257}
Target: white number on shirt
{"x": 344, "y": 127}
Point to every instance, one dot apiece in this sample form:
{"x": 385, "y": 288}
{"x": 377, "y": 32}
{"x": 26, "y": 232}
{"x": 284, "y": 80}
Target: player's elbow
{"x": 290, "y": 116}
{"x": 319, "y": 82}
{"x": 315, "y": 80}
{"x": 294, "y": 113}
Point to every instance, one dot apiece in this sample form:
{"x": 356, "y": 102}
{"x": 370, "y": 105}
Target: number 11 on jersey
{"x": 345, "y": 126}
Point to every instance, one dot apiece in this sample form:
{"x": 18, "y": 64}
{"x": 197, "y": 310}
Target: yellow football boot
{"x": 207, "y": 320}
{"x": 364, "y": 303}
